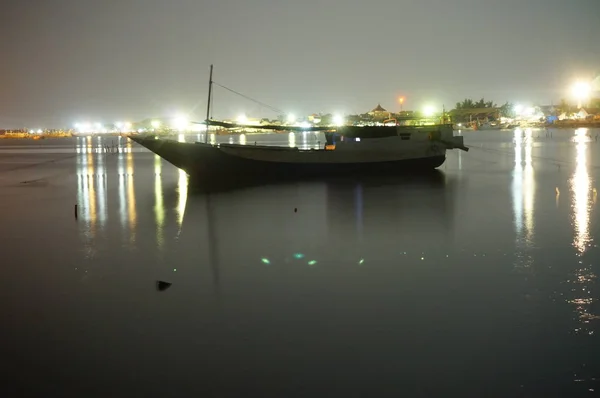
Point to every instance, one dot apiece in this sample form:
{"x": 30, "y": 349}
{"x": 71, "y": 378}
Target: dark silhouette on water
{"x": 161, "y": 286}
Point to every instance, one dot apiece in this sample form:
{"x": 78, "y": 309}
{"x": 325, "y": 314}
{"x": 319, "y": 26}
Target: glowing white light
{"x": 291, "y": 118}
{"x": 127, "y": 126}
{"x": 85, "y": 127}
{"x": 39, "y": 131}
{"x": 338, "y": 120}
{"x": 518, "y": 109}
{"x": 180, "y": 122}
{"x": 155, "y": 124}
{"x": 581, "y": 90}
{"x": 242, "y": 119}
{"x": 119, "y": 125}
{"x": 305, "y": 125}
{"x": 428, "y": 111}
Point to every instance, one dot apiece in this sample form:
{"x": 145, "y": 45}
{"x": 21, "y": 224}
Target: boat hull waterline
{"x": 206, "y": 162}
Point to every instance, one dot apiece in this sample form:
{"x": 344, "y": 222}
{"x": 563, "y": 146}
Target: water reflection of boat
{"x": 348, "y": 150}
{"x": 318, "y": 222}
{"x": 397, "y": 207}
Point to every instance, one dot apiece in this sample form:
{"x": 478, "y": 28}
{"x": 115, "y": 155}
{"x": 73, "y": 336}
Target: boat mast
{"x": 208, "y": 104}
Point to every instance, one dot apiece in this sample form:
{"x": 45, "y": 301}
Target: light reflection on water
{"x": 100, "y": 180}
{"x": 581, "y": 187}
{"x": 583, "y": 199}
{"x": 92, "y": 197}
{"x": 381, "y": 259}
{"x": 159, "y": 209}
{"x": 523, "y": 192}
{"x": 122, "y": 183}
{"x": 131, "y": 210}
{"x": 182, "y": 190}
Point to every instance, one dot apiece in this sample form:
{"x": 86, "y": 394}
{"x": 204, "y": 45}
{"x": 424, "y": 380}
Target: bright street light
{"x": 338, "y": 120}
{"x": 291, "y": 118}
{"x": 581, "y": 91}
{"x": 428, "y": 111}
{"x": 180, "y": 122}
{"x": 155, "y": 124}
{"x": 242, "y": 119}
{"x": 518, "y": 109}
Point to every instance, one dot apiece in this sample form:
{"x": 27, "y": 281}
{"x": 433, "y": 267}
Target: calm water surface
{"x": 480, "y": 280}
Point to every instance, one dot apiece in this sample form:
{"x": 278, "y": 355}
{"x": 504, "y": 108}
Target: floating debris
{"x": 161, "y": 286}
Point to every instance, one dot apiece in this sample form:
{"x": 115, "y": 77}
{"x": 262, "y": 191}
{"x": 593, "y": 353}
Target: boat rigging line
{"x": 274, "y": 109}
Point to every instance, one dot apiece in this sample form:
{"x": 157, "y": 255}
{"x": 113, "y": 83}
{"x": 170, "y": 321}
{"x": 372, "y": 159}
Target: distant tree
{"x": 564, "y": 105}
{"x": 507, "y": 110}
{"x": 470, "y": 104}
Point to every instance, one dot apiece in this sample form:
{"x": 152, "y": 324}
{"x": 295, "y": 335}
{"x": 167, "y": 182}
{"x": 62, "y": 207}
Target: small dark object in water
{"x": 76, "y": 212}
{"x": 295, "y": 210}
{"x": 162, "y": 286}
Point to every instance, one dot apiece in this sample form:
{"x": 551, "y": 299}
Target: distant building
{"x": 379, "y": 112}
{"x": 588, "y": 113}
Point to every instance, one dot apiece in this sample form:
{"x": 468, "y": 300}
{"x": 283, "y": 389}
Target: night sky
{"x": 73, "y": 60}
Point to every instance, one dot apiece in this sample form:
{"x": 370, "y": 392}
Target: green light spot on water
{"x": 174, "y": 269}
{"x": 312, "y": 262}
{"x": 265, "y": 261}
{"x": 298, "y": 256}
{"x": 362, "y": 260}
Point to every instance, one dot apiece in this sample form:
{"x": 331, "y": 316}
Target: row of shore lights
{"x": 178, "y": 123}
{"x": 338, "y": 120}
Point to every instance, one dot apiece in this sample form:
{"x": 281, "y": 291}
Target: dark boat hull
{"x": 209, "y": 165}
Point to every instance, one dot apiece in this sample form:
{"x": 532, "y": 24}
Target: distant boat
{"x": 348, "y": 150}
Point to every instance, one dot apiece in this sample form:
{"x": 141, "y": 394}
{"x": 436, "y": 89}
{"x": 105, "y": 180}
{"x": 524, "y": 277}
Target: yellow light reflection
{"x": 292, "y": 140}
{"x": 83, "y": 192}
{"x": 132, "y": 216}
{"x": 581, "y": 187}
{"x": 101, "y": 184}
{"x": 182, "y": 188}
{"x": 159, "y": 210}
{"x": 243, "y": 139}
{"x": 92, "y": 191}
{"x": 213, "y": 139}
{"x": 181, "y": 138}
